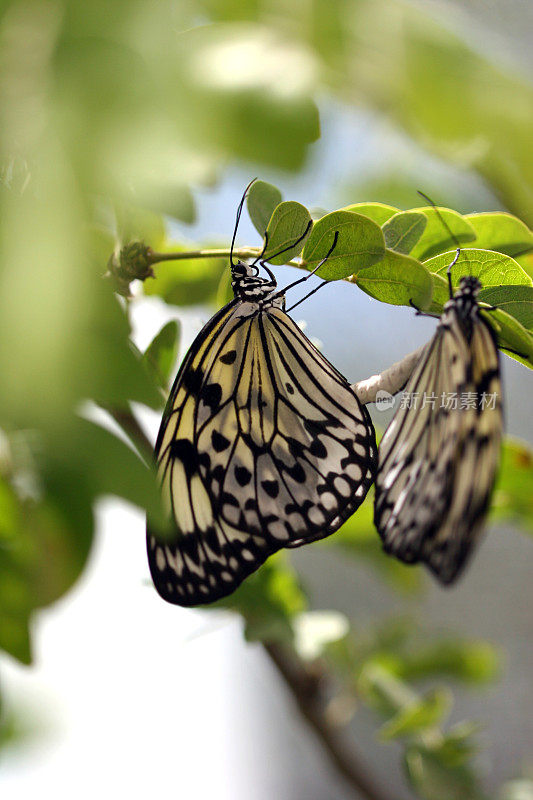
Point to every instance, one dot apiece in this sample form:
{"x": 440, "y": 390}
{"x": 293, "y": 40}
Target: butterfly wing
{"x": 263, "y": 445}
{"x": 437, "y": 462}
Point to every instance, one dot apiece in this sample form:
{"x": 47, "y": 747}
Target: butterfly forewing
{"x": 262, "y": 445}
{"x": 438, "y": 459}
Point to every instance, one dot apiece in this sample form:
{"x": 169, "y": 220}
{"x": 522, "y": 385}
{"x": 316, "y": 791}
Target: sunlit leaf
{"x": 515, "y": 300}
{"x": 261, "y": 201}
{"x": 397, "y": 279}
{"x": 359, "y": 244}
{"x": 377, "y": 212}
{"x": 403, "y": 230}
{"x": 290, "y": 224}
{"x": 502, "y": 232}
{"x": 445, "y": 228}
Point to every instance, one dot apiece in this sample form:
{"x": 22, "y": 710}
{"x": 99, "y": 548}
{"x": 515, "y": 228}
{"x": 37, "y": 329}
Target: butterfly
{"x": 437, "y": 462}
{"x": 263, "y": 445}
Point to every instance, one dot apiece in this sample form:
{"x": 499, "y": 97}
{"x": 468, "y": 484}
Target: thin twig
{"x": 306, "y": 690}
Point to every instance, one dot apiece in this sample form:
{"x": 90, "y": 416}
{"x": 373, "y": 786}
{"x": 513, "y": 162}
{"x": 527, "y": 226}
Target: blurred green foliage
{"x": 111, "y": 113}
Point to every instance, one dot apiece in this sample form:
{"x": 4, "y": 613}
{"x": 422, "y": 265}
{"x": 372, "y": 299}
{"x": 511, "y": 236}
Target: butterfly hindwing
{"x": 437, "y": 461}
{"x": 262, "y": 445}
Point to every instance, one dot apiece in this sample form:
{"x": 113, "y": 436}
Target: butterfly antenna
{"x": 238, "y": 219}
{"x": 453, "y": 237}
{"x": 306, "y": 277}
{"x": 285, "y": 249}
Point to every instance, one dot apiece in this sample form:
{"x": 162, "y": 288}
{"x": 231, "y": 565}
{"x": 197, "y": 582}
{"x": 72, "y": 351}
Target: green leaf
{"x": 502, "y": 232}
{"x": 360, "y": 243}
{"x": 403, "y": 230}
{"x": 289, "y": 224}
{"x": 513, "y": 338}
{"x": 516, "y": 300}
{"x": 261, "y": 201}
{"x": 269, "y": 601}
{"x": 357, "y": 537}
{"x": 425, "y": 712}
{"x": 473, "y": 662}
{"x": 42, "y": 552}
{"x": 433, "y": 779}
{"x": 492, "y": 269}
{"x": 377, "y": 212}
{"x": 513, "y": 496}
{"x": 162, "y": 352}
{"x": 397, "y": 279}
{"x": 436, "y": 237}
{"x": 186, "y": 282}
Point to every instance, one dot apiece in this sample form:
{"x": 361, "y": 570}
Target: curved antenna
{"x": 306, "y": 277}
{"x": 239, "y": 212}
{"x": 452, "y": 236}
{"x": 283, "y": 250}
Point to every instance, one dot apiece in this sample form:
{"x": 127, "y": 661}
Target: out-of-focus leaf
{"x": 100, "y": 464}
{"x": 160, "y": 355}
{"x": 425, "y": 712}
{"x": 502, "y": 232}
{"x": 261, "y": 201}
{"x": 436, "y": 237}
{"x": 517, "y": 790}
{"x": 377, "y": 212}
{"x": 243, "y": 112}
{"x": 41, "y": 554}
{"x": 474, "y": 662}
{"x": 456, "y": 746}
{"x": 403, "y": 230}
{"x": 268, "y": 600}
{"x": 186, "y": 282}
{"x": 382, "y": 690}
{"x": 139, "y": 224}
{"x": 513, "y": 497}
{"x": 359, "y": 539}
{"x": 515, "y": 300}
{"x": 290, "y": 223}
{"x": 433, "y": 779}
{"x": 360, "y": 243}
{"x": 314, "y": 630}
{"x": 397, "y": 279}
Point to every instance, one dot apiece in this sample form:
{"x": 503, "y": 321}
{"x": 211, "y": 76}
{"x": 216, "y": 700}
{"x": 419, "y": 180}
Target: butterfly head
{"x": 465, "y": 298}
{"x": 469, "y": 286}
{"x": 248, "y": 285}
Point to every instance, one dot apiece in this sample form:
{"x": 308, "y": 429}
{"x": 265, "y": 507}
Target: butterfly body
{"x": 438, "y": 461}
{"x": 262, "y": 445}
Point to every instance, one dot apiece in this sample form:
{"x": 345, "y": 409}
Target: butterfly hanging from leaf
{"x": 439, "y": 457}
{"x": 263, "y": 444}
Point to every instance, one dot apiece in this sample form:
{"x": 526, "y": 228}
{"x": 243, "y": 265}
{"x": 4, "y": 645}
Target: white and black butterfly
{"x": 263, "y": 445}
{"x": 438, "y": 460}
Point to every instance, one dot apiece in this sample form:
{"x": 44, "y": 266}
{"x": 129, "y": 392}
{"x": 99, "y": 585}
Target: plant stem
{"x": 306, "y": 690}
{"x": 242, "y": 253}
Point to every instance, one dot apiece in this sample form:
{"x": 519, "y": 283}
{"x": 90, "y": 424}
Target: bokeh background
{"x": 133, "y": 120}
